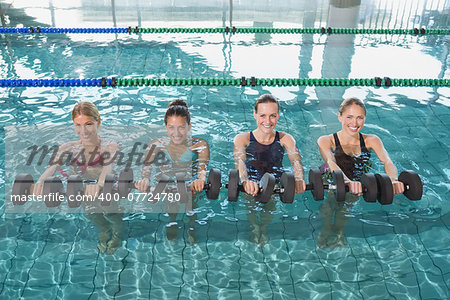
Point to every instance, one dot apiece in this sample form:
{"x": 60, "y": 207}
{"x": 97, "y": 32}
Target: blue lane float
{"x": 252, "y": 81}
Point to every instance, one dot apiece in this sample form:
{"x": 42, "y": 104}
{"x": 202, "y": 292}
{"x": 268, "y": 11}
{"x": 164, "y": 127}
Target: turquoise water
{"x": 399, "y": 251}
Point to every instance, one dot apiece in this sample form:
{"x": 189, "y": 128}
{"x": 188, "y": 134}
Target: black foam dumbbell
{"x": 24, "y": 184}
{"x": 286, "y": 191}
{"x": 76, "y": 187}
{"x": 212, "y": 186}
{"x": 22, "y": 187}
{"x": 126, "y": 183}
{"x": 266, "y": 187}
{"x": 339, "y": 188}
{"x": 411, "y": 181}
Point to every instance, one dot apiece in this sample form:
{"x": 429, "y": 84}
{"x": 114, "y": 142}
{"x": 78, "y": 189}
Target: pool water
{"x": 398, "y": 251}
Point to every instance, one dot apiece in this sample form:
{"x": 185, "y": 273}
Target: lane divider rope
{"x": 228, "y": 30}
{"x": 243, "y": 81}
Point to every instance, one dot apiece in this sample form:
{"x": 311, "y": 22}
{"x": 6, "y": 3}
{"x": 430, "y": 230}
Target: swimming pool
{"x": 398, "y": 251}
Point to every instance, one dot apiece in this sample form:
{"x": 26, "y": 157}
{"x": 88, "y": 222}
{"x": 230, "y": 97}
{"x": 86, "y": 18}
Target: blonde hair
{"x": 350, "y": 101}
{"x": 87, "y": 109}
{"x": 266, "y": 98}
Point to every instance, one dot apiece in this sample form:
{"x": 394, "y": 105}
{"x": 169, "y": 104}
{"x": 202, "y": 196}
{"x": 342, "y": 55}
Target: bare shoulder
{"x": 372, "y": 141}
{"x": 110, "y": 146}
{"x": 69, "y": 145}
{"x": 325, "y": 141}
{"x": 286, "y": 138}
{"x": 161, "y": 142}
{"x": 199, "y": 142}
{"x": 242, "y": 139}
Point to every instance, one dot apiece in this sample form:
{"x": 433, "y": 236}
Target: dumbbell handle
{"x": 133, "y": 186}
{"x": 309, "y": 187}
{"x": 347, "y": 189}
{"x": 240, "y": 188}
{"x": 205, "y": 187}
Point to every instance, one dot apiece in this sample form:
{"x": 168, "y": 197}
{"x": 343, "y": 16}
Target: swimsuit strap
{"x": 277, "y": 136}
{"x": 98, "y": 161}
{"x": 253, "y": 139}
{"x": 336, "y": 140}
{"x": 361, "y": 141}
{"x": 186, "y": 156}
{"x": 338, "y": 143}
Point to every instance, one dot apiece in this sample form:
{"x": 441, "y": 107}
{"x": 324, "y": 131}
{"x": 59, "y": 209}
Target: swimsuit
{"x": 352, "y": 166}
{"x": 263, "y": 159}
{"x": 187, "y": 156}
{"x": 99, "y": 161}
{"x": 185, "y": 164}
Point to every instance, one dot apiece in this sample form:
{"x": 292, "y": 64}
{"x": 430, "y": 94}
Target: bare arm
{"x": 241, "y": 141}
{"x": 202, "y": 148}
{"x": 150, "y": 154}
{"x": 51, "y": 169}
{"x": 325, "y": 146}
{"x": 375, "y": 143}
{"x": 289, "y": 144}
{"x": 109, "y": 165}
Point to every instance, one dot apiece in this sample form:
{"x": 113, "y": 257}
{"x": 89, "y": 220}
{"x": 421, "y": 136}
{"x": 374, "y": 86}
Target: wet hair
{"x": 178, "y": 108}
{"x": 266, "y": 98}
{"x": 87, "y": 109}
{"x": 350, "y": 101}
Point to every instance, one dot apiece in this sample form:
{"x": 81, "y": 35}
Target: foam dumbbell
{"x": 76, "y": 187}
{"x": 339, "y": 188}
{"x": 22, "y": 187}
{"x": 212, "y": 185}
{"x": 24, "y": 184}
{"x": 125, "y": 184}
{"x": 266, "y": 187}
{"x": 411, "y": 181}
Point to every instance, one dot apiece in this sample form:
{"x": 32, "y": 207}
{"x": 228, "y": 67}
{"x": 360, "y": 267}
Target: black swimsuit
{"x": 264, "y": 158}
{"x": 352, "y": 166}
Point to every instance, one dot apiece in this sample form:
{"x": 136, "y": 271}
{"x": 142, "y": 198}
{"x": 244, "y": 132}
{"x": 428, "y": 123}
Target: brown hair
{"x": 87, "y": 109}
{"x": 266, "y": 98}
{"x": 350, "y": 101}
{"x": 178, "y": 108}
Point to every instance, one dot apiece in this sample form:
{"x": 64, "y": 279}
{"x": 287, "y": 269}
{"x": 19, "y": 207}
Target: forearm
{"x": 47, "y": 173}
{"x": 106, "y": 170}
{"x": 146, "y": 171}
{"x": 202, "y": 169}
{"x": 243, "y": 175}
{"x": 240, "y": 156}
{"x": 298, "y": 170}
{"x": 391, "y": 170}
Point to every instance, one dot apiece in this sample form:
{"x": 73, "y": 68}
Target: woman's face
{"x": 86, "y": 127}
{"x": 352, "y": 119}
{"x": 266, "y": 117}
{"x": 177, "y": 129}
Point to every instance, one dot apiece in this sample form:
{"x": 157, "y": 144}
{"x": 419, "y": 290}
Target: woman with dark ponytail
{"x": 182, "y": 152}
